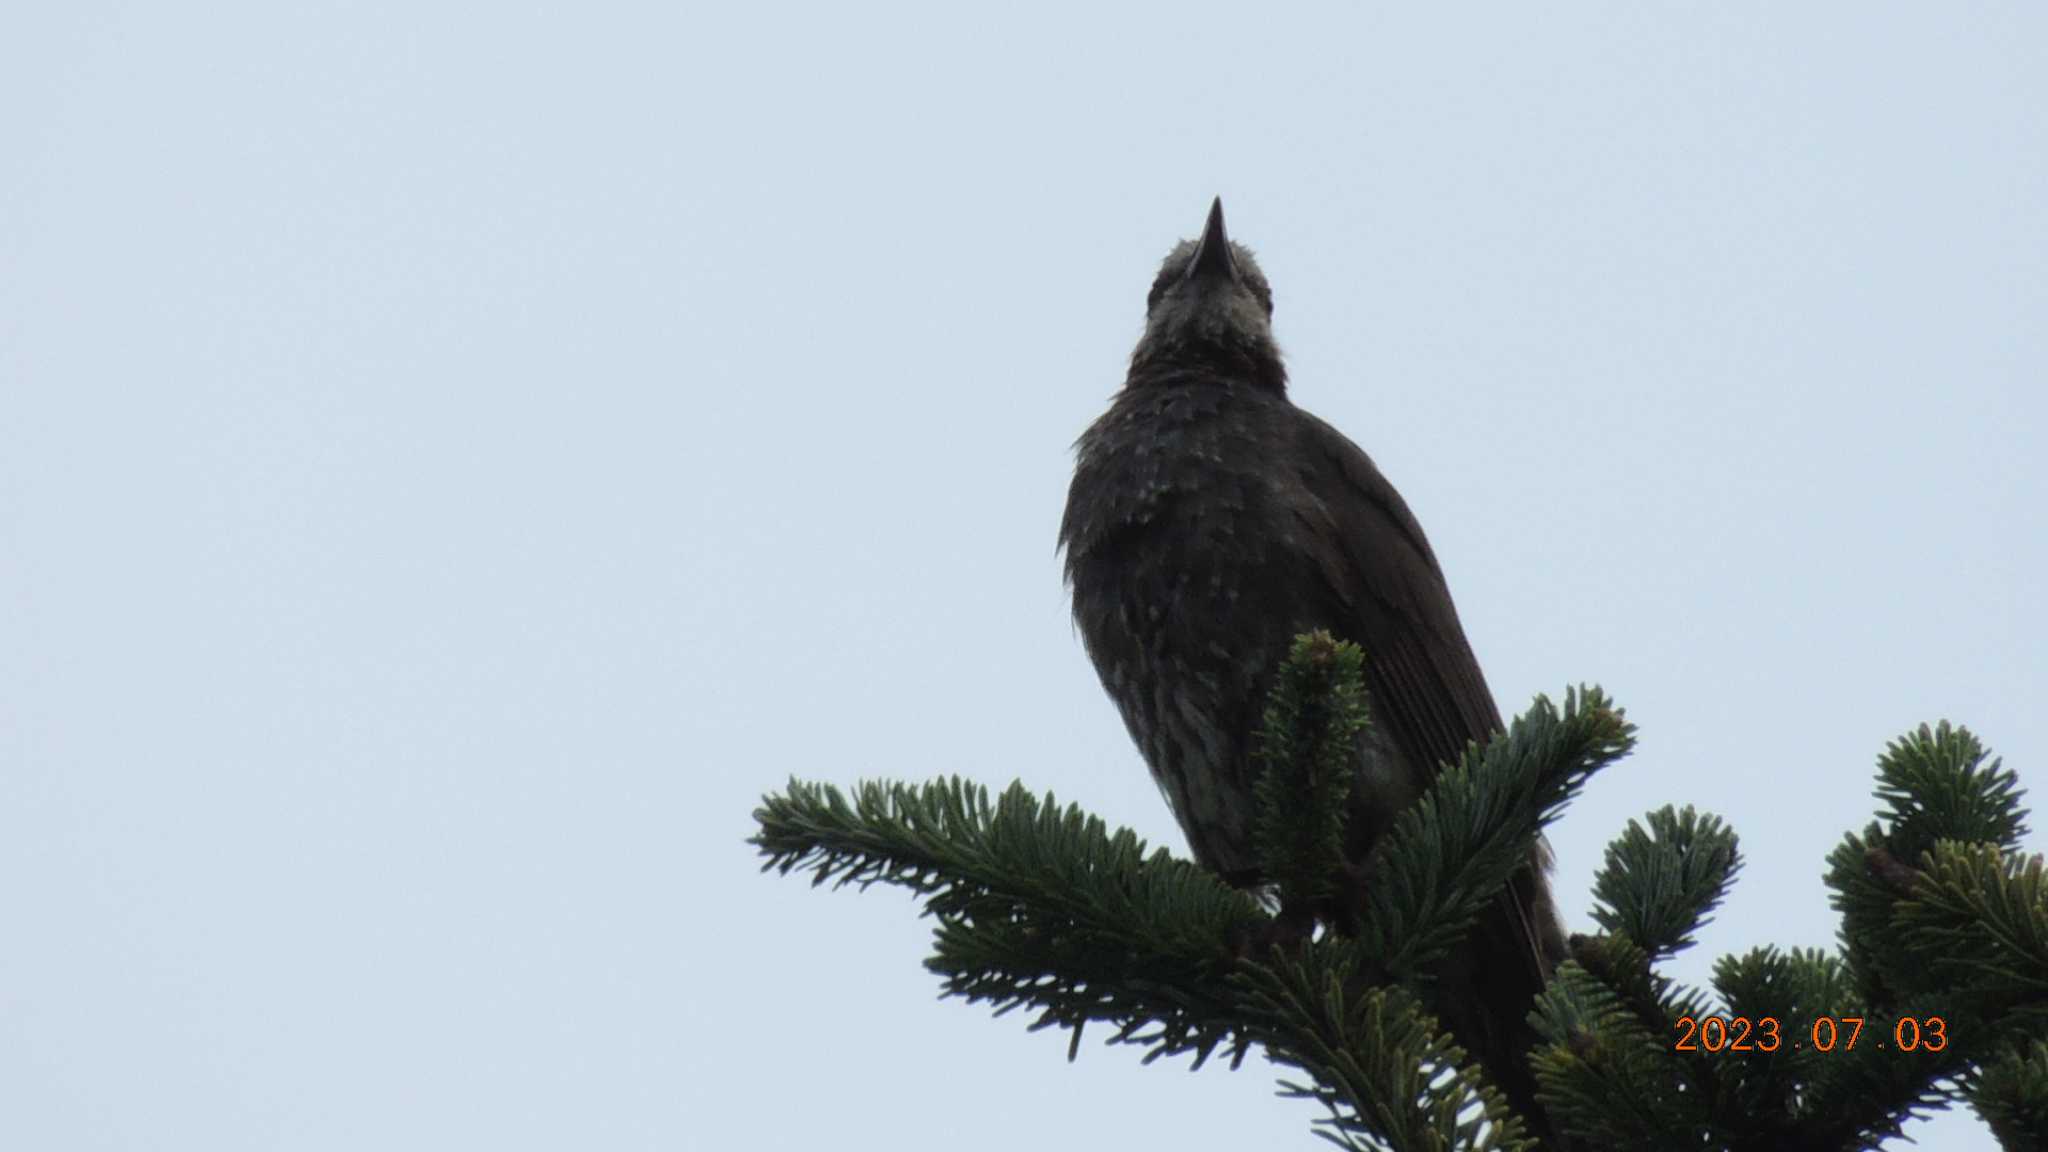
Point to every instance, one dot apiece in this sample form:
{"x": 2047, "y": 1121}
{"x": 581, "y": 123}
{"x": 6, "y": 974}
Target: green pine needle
{"x": 1042, "y": 907}
{"x": 1306, "y": 753}
{"x": 1941, "y": 783}
{"x": 1659, "y": 884}
{"x": 2012, "y": 1096}
{"x": 1452, "y": 852}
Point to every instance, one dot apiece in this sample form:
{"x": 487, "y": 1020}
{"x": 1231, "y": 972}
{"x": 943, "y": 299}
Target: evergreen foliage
{"x": 1307, "y": 750}
{"x": 1944, "y": 939}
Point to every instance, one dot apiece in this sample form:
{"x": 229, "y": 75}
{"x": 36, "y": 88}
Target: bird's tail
{"x": 1488, "y": 988}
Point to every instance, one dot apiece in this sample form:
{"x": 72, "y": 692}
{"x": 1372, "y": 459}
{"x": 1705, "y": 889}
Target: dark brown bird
{"x": 1210, "y": 521}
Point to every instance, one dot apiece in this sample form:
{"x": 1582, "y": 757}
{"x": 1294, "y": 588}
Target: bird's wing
{"x": 1384, "y": 580}
{"x": 1389, "y": 596}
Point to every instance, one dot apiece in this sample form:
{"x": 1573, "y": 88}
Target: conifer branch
{"x": 1377, "y": 1061}
{"x": 1659, "y": 885}
{"x": 1978, "y": 925}
{"x": 1763, "y": 1088}
{"x": 1940, "y": 783}
{"x": 1306, "y": 751}
{"x": 1614, "y": 1082}
{"x": 1044, "y": 908}
{"x": 1037, "y": 906}
{"x": 1451, "y": 853}
{"x": 2011, "y": 1094}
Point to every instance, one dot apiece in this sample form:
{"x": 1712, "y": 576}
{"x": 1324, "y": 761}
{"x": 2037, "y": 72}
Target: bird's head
{"x": 1209, "y": 302}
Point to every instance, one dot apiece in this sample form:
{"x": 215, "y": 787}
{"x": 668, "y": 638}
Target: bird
{"x": 1209, "y": 521}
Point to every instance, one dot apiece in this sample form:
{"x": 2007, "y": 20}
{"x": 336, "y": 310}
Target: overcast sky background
{"x": 455, "y": 458}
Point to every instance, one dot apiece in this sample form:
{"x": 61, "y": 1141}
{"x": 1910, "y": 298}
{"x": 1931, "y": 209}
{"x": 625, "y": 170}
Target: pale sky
{"x": 455, "y": 458}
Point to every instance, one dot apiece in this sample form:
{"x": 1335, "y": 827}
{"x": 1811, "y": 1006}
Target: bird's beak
{"x": 1212, "y": 254}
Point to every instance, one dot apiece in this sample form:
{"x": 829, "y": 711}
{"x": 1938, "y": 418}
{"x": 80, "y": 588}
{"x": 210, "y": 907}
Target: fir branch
{"x": 2011, "y": 1094}
{"x": 1978, "y": 924}
{"x": 1041, "y": 907}
{"x": 1656, "y": 1002}
{"x": 1953, "y": 940}
{"x": 1860, "y": 1097}
{"x": 1037, "y": 905}
{"x": 1611, "y": 1081}
{"x": 1867, "y": 881}
{"x": 1306, "y": 753}
{"x": 1622, "y": 965}
{"x": 1453, "y": 851}
{"x": 1377, "y": 1060}
{"x": 1938, "y": 785}
{"x": 1762, "y": 1089}
{"x": 1658, "y": 885}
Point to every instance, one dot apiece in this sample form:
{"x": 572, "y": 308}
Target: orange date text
{"x": 1824, "y": 1034}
